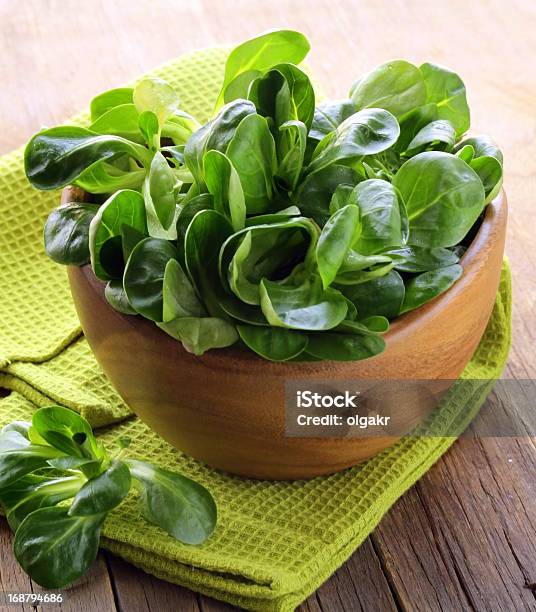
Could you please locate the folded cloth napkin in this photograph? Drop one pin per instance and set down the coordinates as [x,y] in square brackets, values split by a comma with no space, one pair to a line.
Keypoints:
[276,542]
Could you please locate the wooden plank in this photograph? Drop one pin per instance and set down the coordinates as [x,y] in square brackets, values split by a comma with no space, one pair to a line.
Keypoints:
[136,590]
[463,537]
[207,604]
[12,578]
[405,544]
[360,584]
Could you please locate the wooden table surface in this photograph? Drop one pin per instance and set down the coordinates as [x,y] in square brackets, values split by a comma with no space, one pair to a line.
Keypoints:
[464,536]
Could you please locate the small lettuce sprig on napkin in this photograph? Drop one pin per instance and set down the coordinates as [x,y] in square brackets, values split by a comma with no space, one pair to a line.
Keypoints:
[292,228]
[58,484]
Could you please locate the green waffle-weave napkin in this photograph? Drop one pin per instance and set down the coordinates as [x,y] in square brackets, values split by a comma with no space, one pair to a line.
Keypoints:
[276,542]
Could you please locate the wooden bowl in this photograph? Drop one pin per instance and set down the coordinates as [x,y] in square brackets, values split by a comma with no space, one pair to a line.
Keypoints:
[226,407]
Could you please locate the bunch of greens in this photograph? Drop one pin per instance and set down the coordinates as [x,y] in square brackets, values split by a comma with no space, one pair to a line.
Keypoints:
[58,483]
[293,228]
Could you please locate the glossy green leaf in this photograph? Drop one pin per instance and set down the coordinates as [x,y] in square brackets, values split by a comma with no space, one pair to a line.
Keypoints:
[67,431]
[357,268]
[259,54]
[428,285]
[56,157]
[360,327]
[396,86]
[285,94]
[344,347]
[268,250]
[88,466]
[466,152]
[199,334]
[160,199]
[16,463]
[415,259]
[104,177]
[157,96]
[56,544]
[33,492]
[239,86]
[259,255]
[224,184]
[340,198]
[351,314]
[205,235]
[413,122]
[486,160]
[299,104]
[144,276]
[252,153]
[245,270]
[367,132]
[443,198]
[120,120]
[276,217]
[291,152]
[179,127]
[180,506]
[376,323]
[203,201]
[125,207]
[179,297]
[56,549]
[130,237]
[13,440]
[104,492]
[273,343]
[149,127]
[215,135]
[328,116]
[307,306]
[382,217]
[440,131]
[336,238]
[314,194]
[115,295]
[240,311]
[490,172]
[104,102]
[446,89]
[380,296]
[482,146]
[20,427]
[66,233]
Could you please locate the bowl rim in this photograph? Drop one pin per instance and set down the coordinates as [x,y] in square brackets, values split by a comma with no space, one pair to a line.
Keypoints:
[494,215]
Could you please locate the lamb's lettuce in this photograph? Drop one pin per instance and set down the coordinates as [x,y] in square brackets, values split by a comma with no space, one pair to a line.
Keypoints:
[294,228]
[58,484]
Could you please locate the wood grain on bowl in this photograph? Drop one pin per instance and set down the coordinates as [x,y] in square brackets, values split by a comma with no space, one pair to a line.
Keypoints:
[226,407]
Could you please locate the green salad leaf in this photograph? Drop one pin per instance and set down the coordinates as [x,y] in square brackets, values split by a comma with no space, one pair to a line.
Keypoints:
[366,132]
[58,156]
[443,197]
[396,86]
[181,506]
[58,484]
[292,228]
[66,233]
[254,57]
